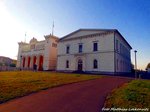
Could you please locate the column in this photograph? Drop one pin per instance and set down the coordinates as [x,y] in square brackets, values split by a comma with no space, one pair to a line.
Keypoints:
[31,62]
[37,61]
[26,62]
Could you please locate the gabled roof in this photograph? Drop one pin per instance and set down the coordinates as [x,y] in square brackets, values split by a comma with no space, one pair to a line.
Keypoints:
[98,30]
[70,34]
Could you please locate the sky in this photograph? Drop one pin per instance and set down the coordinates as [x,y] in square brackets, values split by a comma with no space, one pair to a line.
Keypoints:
[35,18]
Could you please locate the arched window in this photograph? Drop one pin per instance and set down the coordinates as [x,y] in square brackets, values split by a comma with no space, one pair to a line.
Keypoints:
[67,64]
[95,63]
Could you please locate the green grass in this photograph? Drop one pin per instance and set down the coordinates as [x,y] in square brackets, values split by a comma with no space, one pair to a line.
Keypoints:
[17,84]
[135,94]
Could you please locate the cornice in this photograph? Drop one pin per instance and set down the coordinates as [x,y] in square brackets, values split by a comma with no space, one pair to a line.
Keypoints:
[87,36]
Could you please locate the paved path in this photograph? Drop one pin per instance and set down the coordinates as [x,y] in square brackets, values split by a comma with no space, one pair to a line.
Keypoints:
[87,96]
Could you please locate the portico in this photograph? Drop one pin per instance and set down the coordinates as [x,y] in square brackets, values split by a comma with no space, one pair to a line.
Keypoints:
[27,62]
[39,53]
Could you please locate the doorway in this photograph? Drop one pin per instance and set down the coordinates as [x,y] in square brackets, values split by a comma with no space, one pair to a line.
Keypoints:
[80,65]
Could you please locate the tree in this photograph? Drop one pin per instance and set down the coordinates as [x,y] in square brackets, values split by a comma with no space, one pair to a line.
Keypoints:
[12,65]
[148,66]
[1,64]
[132,68]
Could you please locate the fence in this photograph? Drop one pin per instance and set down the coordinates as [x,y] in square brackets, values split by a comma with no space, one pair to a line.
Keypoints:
[7,68]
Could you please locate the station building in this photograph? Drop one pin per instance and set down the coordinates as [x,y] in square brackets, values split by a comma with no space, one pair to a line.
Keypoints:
[42,54]
[94,50]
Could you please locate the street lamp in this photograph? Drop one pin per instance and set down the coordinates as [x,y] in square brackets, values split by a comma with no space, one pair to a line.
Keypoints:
[135,64]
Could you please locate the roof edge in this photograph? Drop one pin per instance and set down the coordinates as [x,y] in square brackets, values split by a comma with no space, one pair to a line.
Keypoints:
[123,39]
[85,29]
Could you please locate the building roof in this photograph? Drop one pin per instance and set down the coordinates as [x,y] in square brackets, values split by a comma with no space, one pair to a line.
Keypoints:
[105,30]
[4,59]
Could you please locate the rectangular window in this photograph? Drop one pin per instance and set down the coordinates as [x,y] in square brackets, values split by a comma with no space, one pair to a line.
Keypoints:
[54,45]
[117,64]
[80,48]
[120,48]
[95,46]
[117,45]
[67,49]
[32,46]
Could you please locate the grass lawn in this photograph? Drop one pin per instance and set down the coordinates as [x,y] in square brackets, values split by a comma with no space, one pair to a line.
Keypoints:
[16,84]
[135,94]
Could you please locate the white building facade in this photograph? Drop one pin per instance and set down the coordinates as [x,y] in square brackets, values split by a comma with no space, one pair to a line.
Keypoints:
[94,50]
[42,54]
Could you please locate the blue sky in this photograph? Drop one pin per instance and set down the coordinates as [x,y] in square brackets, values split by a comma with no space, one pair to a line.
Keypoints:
[130,17]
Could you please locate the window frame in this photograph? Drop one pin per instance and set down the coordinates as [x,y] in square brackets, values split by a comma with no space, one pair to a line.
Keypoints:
[80,48]
[117,45]
[67,49]
[95,49]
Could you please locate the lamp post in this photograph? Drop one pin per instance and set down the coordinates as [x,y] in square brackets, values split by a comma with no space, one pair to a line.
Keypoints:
[135,64]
